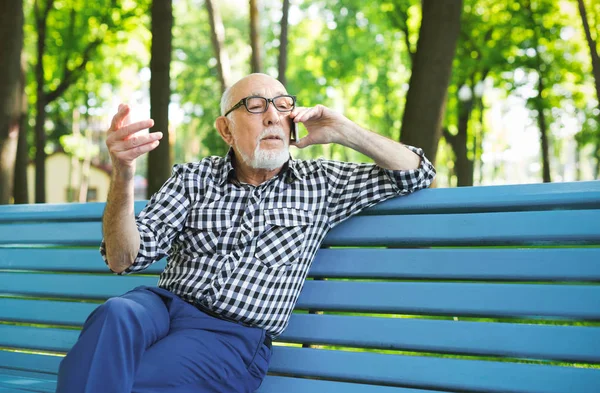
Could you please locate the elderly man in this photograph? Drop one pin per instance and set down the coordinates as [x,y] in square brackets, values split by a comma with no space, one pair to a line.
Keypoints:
[239,233]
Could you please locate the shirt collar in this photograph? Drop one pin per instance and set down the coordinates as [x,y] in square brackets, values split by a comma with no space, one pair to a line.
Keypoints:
[226,170]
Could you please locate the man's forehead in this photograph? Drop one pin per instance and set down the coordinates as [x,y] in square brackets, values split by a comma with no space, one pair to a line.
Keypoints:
[262,93]
[258,85]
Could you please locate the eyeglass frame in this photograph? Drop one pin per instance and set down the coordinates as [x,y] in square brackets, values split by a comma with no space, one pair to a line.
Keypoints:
[244,102]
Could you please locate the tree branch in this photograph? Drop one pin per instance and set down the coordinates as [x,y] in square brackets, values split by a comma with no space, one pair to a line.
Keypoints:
[71,75]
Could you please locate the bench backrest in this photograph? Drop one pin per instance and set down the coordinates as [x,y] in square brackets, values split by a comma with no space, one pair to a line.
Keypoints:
[493,289]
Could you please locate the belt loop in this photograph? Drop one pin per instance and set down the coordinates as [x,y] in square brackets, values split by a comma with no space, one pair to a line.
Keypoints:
[268,341]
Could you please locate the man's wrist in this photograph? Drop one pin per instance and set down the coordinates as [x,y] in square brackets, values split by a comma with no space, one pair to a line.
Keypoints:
[351,135]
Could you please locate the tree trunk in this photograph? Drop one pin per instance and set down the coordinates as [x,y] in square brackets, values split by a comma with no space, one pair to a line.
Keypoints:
[426,98]
[21,186]
[256,62]
[11,91]
[538,100]
[159,160]
[217,35]
[464,167]
[592,46]
[283,43]
[539,103]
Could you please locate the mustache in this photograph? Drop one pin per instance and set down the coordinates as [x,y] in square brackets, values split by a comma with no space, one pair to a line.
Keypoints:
[272,131]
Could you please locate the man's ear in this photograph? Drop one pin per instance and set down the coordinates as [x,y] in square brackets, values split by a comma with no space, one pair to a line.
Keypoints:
[222,124]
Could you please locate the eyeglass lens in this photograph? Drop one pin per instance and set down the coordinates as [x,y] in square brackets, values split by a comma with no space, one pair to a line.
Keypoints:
[259,104]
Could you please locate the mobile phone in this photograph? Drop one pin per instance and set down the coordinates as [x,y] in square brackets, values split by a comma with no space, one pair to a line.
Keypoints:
[293,130]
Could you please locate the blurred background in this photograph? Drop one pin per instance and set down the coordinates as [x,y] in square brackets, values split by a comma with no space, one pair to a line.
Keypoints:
[496,92]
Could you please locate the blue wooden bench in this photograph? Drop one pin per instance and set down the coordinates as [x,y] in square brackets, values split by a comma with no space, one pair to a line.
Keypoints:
[485,289]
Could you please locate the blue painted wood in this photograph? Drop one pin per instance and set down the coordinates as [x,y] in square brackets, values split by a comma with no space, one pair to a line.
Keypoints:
[277,384]
[520,228]
[551,264]
[25,381]
[45,339]
[45,311]
[569,343]
[415,371]
[520,215]
[433,372]
[522,197]
[86,260]
[20,361]
[467,299]
[272,384]
[550,342]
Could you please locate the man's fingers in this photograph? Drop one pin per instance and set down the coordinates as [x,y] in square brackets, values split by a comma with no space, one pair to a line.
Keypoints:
[119,118]
[132,154]
[135,141]
[130,129]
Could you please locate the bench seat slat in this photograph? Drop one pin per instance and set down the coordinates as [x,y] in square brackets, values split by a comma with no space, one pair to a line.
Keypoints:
[513,228]
[536,264]
[271,384]
[278,384]
[434,373]
[415,371]
[466,299]
[26,381]
[549,342]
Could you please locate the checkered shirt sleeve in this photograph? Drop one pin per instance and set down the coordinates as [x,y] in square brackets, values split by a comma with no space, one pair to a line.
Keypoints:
[159,222]
[354,187]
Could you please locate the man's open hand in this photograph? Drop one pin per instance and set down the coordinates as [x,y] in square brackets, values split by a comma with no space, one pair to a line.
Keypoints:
[125,142]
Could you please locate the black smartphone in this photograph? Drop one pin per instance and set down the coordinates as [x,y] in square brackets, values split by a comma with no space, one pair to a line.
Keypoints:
[293,130]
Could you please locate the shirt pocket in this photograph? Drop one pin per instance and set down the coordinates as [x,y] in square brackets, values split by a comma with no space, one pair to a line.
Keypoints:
[283,238]
[205,228]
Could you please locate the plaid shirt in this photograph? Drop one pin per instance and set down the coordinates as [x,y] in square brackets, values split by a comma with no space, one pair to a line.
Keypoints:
[243,251]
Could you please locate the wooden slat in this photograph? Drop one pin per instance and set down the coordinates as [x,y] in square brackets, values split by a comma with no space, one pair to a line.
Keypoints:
[271,384]
[523,197]
[61,259]
[552,264]
[549,342]
[467,299]
[35,338]
[432,372]
[513,228]
[27,381]
[277,384]
[74,286]
[29,362]
[52,233]
[396,370]
[46,312]
[565,343]
[549,264]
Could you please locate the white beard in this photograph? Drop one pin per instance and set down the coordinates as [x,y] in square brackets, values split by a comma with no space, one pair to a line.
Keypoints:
[268,159]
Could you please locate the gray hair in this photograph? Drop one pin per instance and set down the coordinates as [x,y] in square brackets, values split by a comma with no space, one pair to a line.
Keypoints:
[226,100]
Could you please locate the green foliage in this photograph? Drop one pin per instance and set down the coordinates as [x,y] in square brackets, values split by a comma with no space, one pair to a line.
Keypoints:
[351,55]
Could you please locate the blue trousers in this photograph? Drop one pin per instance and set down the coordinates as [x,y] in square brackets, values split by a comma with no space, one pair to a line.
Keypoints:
[150,340]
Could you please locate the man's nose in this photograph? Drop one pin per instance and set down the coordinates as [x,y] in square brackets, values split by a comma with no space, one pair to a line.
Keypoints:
[272,116]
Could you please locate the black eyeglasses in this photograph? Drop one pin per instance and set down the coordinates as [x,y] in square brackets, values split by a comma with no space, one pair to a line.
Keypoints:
[258,104]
